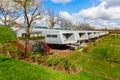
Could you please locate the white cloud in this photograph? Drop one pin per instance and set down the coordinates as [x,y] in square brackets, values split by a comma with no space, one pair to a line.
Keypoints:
[61,1]
[112,3]
[100,12]
[106,14]
[66,15]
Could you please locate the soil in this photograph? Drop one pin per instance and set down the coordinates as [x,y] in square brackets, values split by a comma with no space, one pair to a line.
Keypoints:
[62,52]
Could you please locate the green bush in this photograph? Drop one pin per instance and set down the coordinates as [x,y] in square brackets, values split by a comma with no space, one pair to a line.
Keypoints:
[10,48]
[6,35]
[37,57]
[69,63]
[54,60]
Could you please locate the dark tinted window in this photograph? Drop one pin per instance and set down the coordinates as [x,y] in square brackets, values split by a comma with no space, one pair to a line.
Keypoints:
[52,36]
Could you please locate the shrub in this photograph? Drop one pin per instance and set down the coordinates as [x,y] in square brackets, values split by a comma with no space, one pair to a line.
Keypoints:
[69,63]
[53,60]
[6,34]
[38,57]
[11,49]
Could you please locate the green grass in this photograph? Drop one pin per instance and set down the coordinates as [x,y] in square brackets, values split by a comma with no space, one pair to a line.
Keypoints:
[6,34]
[11,69]
[102,59]
[110,47]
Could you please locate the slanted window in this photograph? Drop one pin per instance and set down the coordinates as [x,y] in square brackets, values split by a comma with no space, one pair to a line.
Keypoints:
[52,36]
[23,34]
[89,33]
[81,34]
[67,36]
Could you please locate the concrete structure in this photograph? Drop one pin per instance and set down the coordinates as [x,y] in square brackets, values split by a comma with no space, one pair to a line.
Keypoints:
[57,36]
[61,36]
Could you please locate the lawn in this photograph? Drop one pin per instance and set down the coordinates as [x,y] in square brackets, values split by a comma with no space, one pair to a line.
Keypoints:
[11,69]
[104,59]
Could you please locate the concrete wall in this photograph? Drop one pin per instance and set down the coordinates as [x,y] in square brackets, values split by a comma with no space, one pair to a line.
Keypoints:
[62,36]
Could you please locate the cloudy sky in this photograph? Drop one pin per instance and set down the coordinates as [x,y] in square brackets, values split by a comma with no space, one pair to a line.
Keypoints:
[98,13]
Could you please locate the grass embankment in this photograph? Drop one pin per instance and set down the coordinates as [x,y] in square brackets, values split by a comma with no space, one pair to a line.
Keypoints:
[11,69]
[6,34]
[104,59]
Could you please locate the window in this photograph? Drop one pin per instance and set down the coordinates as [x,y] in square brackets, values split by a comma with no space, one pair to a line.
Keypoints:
[81,34]
[23,34]
[67,36]
[89,33]
[52,36]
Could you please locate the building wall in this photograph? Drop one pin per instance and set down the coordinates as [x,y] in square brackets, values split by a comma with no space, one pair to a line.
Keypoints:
[58,37]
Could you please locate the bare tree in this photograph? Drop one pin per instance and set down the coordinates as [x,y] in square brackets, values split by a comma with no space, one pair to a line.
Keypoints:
[84,26]
[65,23]
[8,14]
[31,11]
[52,18]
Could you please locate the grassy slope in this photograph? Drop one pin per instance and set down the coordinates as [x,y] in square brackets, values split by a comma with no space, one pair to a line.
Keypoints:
[6,34]
[109,47]
[11,69]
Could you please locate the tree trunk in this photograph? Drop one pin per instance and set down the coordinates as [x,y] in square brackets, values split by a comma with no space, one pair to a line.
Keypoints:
[27,43]
[5,24]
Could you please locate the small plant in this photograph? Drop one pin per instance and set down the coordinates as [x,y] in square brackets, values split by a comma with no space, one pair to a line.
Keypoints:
[53,60]
[69,63]
[38,57]
[10,49]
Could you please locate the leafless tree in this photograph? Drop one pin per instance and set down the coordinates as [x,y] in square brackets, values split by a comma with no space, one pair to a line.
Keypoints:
[8,14]
[83,26]
[31,10]
[52,18]
[65,23]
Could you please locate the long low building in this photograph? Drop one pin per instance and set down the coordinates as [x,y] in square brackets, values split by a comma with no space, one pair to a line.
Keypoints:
[61,36]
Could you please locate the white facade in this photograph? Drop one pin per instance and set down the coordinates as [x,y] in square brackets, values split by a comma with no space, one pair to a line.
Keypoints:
[62,36]
[81,35]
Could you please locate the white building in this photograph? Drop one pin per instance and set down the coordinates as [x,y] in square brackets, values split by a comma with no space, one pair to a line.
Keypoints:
[60,36]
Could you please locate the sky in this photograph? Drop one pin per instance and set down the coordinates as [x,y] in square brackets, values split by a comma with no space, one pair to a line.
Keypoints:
[71,6]
[98,13]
